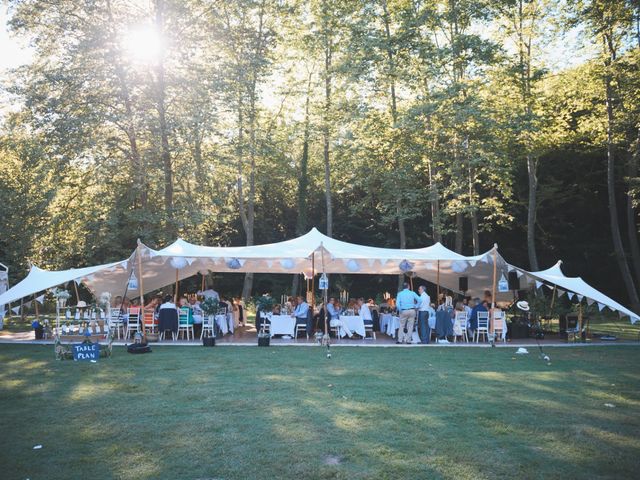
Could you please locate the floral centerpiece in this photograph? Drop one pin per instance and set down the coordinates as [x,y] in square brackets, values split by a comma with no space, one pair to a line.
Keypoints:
[209,306]
[61,296]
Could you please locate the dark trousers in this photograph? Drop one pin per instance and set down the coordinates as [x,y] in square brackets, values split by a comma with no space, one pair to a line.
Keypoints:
[423,327]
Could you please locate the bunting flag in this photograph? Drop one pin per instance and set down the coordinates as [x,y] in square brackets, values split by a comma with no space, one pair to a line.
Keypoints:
[560,292]
[383,261]
[538,283]
[570,295]
[473,262]
[125,264]
[16,310]
[190,260]
[590,301]
[519,273]
[77,280]
[371,261]
[550,287]
[269,263]
[600,306]
[40,299]
[28,304]
[580,297]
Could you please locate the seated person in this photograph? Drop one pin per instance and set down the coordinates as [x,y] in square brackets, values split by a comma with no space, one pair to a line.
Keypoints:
[334,309]
[364,312]
[277,310]
[168,303]
[197,315]
[301,313]
[477,306]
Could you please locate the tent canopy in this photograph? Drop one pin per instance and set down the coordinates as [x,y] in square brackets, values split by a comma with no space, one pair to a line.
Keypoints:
[310,252]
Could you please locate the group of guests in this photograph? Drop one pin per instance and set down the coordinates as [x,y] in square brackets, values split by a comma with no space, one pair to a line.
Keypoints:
[189,304]
[411,306]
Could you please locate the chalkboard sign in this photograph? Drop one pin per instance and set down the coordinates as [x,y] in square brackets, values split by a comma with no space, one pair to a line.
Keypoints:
[83,352]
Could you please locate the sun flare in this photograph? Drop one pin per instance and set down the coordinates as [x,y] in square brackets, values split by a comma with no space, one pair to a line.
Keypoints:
[143,44]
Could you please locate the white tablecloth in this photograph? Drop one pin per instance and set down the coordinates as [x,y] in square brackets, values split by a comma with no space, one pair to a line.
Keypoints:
[353,323]
[282,325]
[225,323]
[389,324]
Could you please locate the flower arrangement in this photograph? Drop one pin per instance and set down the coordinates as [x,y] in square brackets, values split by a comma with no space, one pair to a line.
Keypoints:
[210,306]
[60,293]
[104,300]
[265,303]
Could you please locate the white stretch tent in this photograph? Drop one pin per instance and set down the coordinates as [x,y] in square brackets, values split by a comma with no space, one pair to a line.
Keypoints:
[577,286]
[310,252]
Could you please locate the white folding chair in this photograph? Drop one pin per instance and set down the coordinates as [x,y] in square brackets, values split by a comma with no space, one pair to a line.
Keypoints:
[368,327]
[460,327]
[183,322]
[499,325]
[133,324]
[208,322]
[483,326]
[115,322]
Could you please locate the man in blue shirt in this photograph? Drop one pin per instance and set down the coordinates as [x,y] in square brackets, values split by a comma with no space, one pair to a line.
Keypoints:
[407,301]
[332,311]
[301,312]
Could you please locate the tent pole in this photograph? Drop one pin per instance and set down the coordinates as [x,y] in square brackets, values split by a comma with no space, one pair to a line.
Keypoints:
[202,284]
[141,288]
[493,289]
[553,299]
[35,303]
[75,286]
[438,286]
[176,294]
[313,281]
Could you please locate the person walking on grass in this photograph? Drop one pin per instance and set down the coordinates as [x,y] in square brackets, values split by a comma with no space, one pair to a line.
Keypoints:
[407,301]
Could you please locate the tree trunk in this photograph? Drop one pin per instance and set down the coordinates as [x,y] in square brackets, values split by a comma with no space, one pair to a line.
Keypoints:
[532,212]
[459,232]
[328,47]
[137,165]
[632,227]
[162,123]
[303,179]
[435,206]
[613,209]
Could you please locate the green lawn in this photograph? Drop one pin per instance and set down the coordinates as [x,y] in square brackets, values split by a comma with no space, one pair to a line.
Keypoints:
[288,412]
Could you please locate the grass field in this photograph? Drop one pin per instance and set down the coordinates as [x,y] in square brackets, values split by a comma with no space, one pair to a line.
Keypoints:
[288,412]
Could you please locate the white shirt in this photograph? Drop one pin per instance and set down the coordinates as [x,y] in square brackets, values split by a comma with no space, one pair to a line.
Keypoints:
[425,302]
[210,294]
[365,313]
[168,305]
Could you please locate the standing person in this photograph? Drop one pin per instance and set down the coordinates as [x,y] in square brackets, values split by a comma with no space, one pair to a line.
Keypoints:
[406,301]
[423,315]
[301,313]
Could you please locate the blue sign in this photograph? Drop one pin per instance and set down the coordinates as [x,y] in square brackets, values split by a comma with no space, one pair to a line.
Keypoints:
[84,352]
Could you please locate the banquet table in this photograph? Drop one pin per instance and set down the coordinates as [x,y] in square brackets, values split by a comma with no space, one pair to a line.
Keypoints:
[354,323]
[389,324]
[282,325]
[225,323]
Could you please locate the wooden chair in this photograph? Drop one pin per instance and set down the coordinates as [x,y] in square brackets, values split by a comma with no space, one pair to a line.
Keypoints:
[483,326]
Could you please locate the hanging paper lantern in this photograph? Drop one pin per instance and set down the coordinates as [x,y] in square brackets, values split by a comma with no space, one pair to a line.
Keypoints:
[287,263]
[353,266]
[459,266]
[234,264]
[405,266]
[178,262]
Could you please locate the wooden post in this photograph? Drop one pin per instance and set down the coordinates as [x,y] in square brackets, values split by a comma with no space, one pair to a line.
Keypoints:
[141,289]
[493,290]
[438,286]
[313,281]
[35,303]
[202,287]
[176,293]
[75,286]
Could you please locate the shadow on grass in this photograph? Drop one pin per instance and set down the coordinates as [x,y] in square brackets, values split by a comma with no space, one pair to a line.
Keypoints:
[291,413]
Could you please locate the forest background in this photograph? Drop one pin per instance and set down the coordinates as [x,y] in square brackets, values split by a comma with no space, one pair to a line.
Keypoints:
[393,123]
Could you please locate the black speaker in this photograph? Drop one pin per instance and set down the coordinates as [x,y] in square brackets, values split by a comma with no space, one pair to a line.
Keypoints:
[514,281]
[463,284]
